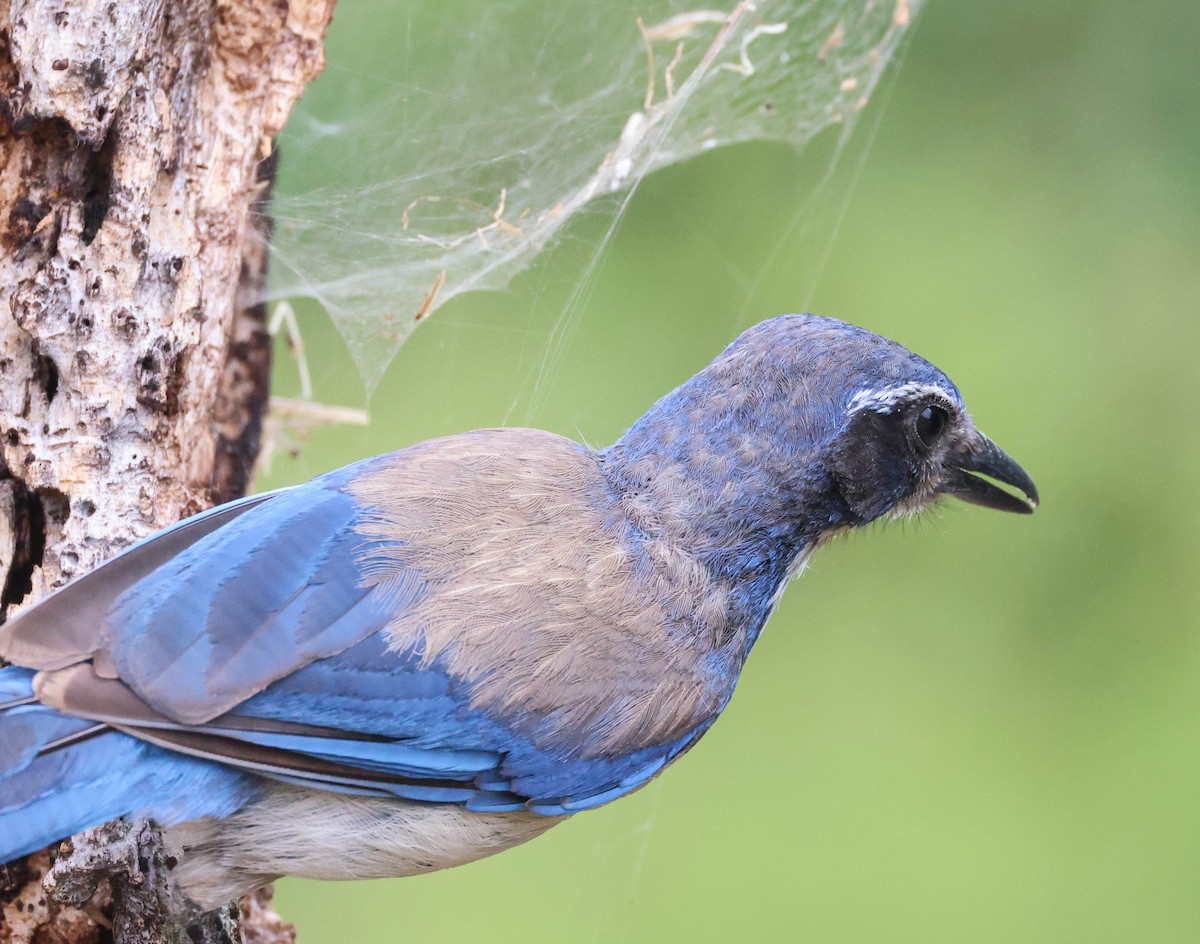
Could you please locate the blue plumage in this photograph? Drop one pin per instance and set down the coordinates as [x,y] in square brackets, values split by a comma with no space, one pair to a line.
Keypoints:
[45,797]
[246,604]
[432,655]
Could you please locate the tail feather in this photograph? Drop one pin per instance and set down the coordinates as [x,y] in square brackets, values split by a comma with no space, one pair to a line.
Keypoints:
[54,783]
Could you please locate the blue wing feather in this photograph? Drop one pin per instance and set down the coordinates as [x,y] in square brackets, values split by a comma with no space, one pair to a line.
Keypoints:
[269,592]
[64,627]
[47,794]
[434,734]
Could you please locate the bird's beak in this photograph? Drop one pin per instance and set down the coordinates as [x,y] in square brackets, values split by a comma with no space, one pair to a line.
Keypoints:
[980,456]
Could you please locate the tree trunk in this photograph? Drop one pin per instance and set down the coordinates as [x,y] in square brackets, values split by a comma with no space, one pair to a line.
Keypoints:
[135,162]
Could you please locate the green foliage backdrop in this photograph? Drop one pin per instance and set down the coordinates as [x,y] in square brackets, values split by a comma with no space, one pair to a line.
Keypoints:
[975,727]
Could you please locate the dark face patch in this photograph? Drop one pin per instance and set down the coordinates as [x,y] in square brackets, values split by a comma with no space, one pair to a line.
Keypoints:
[874,464]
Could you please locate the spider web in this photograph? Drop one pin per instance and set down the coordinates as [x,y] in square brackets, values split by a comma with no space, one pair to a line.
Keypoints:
[475,140]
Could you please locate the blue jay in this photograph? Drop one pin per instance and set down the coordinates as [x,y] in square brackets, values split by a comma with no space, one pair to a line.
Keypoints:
[433,655]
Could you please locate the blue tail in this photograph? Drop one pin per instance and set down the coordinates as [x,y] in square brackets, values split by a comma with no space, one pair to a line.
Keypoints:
[48,792]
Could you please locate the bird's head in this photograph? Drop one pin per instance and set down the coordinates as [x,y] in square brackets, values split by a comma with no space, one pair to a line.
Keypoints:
[905,439]
[805,426]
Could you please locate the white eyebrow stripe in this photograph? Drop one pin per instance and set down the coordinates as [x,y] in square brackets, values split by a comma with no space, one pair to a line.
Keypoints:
[884,400]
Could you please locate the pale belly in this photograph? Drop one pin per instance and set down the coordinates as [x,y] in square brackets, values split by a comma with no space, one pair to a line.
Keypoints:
[316,834]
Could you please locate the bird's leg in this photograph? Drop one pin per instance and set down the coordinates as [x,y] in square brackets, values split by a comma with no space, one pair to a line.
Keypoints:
[128,857]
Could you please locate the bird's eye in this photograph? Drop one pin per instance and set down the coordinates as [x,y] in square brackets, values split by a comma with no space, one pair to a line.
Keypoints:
[930,423]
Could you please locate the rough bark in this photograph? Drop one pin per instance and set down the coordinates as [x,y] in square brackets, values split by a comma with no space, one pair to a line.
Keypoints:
[135,158]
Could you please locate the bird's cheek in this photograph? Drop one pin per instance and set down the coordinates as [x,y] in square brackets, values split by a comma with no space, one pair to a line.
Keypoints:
[871,481]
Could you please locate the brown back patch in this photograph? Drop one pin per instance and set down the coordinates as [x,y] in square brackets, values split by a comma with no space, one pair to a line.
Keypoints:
[539,598]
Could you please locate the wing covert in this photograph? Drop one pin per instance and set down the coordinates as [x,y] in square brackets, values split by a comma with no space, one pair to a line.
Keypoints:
[248,604]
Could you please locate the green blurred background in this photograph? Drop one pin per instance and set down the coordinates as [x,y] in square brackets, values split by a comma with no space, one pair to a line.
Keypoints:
[974,728]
